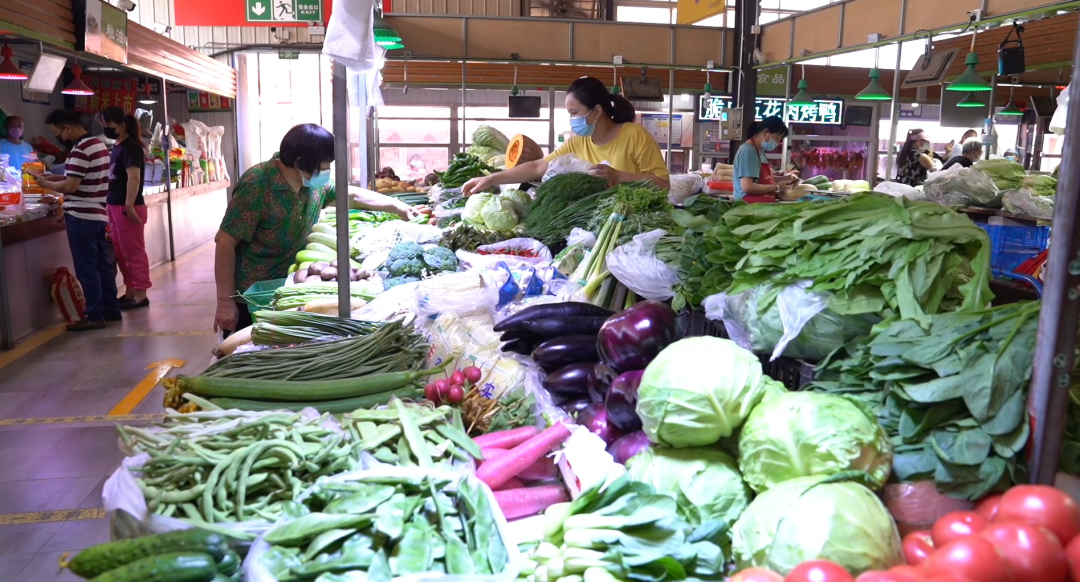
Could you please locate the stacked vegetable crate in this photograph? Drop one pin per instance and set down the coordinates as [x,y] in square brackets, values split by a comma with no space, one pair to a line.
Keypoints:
[1012,245]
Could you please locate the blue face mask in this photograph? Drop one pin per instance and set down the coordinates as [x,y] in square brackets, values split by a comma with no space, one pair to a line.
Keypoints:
[580,125]
[769,145]
[317,180]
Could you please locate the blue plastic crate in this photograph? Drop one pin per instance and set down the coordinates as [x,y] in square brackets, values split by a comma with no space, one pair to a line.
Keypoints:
[1012,245]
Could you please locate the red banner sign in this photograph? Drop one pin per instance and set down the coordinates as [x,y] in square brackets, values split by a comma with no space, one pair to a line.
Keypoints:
[109,92]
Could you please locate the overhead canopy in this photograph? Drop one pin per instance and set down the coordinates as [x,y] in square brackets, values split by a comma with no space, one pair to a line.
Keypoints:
[1047,49]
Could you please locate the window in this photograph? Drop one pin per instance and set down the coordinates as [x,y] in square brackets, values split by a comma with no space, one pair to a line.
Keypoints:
[647,15]
[536,129]
[414,141]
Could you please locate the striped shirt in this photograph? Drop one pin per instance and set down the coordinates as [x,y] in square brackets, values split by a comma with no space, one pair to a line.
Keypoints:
[88,160]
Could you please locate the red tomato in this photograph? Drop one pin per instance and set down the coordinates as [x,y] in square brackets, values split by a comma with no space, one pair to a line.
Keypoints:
[1072,556]
[818,571]
[879,576]
[970,557]
[1044,506]
[957,525]
[946,578]
[756,575]
[913,572]
[918,545]
[988,507]
[1033,552]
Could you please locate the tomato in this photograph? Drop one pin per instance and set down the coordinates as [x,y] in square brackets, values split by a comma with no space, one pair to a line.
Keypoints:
[1044,506]
[756,575]
[946,578]
[879,576]
[818,571]
[913,572]
[988,507]
[1033,552]
[1072,556]
[970,557]
[957,524]
[918,545]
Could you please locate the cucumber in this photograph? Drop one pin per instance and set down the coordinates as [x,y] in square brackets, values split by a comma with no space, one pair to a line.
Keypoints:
[814,181]
[292,268]
[323,228]
[340,406]
[304,266]
[324,239]
[319,248]
[102,558]
[230,564]
[174,567]
[306,256]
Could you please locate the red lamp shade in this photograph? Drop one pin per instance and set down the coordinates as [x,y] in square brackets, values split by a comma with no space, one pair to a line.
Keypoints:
[9,71]
[77,87]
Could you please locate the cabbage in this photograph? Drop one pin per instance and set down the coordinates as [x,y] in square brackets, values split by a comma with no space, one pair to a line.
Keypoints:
[471,214]
[800,434]
[698,391]
[705,483]
[520,199]
[499,214]
[1005,174]
[801,520]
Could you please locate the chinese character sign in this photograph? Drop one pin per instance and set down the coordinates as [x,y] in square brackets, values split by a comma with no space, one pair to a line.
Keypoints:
[109,92]
[822,112]
[206,102]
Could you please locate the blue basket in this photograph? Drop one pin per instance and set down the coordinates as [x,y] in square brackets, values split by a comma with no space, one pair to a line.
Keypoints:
[1012,245]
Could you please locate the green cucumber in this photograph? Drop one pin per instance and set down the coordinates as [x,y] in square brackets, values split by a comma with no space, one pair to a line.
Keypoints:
[306,256]
[230,564]
[102,558]
[332,406]
[304,266]
[292,268]
[323,228]
[319,248]
[324,239]
[820,179]
[174,567]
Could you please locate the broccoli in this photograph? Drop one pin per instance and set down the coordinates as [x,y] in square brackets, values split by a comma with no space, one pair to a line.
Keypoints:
[395,281]
[405,250]
[409,266]
[440,259]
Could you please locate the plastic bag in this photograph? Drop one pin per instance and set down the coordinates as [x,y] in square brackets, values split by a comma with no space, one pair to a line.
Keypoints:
[918,505]
[960,186]
[67,294]
[566,164]
[684,186]
[388,234]
[454,293]
[898,190]
[522,284]
[580,236]
[390,304]
[350,38]
[1024,202]
[494,254]
[1061,114]
[441,211]
[635,265]
[797,324]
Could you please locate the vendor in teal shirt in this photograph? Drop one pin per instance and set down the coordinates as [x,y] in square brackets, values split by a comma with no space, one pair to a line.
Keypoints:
[754,181]
[13,146]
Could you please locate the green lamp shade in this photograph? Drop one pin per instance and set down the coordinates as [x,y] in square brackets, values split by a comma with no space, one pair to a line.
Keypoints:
[874,91]
[802,97]
[1011,109]
[708,89]
[969,80]
[970,101]
[615,90]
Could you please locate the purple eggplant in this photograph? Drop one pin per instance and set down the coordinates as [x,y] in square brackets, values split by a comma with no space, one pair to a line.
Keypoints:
[519,334]
[573,407]
[601,378]
[631,339]
[594,418]
[572,379]
[628,446]
[519,346]
[563,351]
[553,327]
[551,310]
[621,401]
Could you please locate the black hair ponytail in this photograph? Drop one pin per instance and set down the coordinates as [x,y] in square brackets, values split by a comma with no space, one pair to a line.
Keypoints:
[774,124]
[591,92]
[118,116]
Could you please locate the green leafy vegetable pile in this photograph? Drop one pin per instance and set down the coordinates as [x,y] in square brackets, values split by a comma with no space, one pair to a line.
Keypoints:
[464,236]
[952,396]
[1006,175]
[646,208]
[462,168]
[704,251]
[546,220]
[1041,185]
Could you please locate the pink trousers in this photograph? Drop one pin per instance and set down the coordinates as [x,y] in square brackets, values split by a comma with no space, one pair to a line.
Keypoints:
[130,246]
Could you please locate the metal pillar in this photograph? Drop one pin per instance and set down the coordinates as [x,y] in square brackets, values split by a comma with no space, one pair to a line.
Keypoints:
[166,132]
[1048,399]
[341,181]
[746,12]
[787,140]
[894,105]
[7,336]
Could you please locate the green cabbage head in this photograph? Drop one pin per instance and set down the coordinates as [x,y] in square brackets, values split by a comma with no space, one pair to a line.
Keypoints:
[805,519]
[521,201]
[698,391]
[800,434]
[471,214]
[499,214]
[705,483]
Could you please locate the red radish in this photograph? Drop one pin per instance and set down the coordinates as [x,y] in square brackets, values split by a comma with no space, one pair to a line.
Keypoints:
[473,374]
[506,439]
[457,378]
[512,484]
[543,470]
[431,393]
[527,501]
[455,394]
[441,385]
[499,470]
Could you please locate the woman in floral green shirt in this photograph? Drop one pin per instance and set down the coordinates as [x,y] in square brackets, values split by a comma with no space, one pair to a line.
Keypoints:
[273,207]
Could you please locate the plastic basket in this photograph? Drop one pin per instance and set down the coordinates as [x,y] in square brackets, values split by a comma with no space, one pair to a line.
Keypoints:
[1012,245]
[261,294]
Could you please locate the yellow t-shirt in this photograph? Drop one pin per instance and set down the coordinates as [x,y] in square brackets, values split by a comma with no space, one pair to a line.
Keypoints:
[633,150]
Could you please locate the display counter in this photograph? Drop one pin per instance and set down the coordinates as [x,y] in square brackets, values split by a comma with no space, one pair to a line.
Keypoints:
[31,251]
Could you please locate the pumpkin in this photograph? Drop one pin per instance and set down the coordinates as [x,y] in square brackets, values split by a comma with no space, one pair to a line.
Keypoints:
[522,150]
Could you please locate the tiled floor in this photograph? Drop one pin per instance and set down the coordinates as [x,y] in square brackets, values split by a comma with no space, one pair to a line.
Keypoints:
[62,465]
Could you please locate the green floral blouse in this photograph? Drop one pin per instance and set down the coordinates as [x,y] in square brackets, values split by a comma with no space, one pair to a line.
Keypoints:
[271,221]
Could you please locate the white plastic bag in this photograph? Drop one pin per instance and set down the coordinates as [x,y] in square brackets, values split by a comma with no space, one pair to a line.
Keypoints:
[493,254]
[1023,202]
[388,234]
[898,190]
[684,186]
[567,164]
[1061,114]
[960,186]
[454,293]
[635,265]
[350,38]
[580,236]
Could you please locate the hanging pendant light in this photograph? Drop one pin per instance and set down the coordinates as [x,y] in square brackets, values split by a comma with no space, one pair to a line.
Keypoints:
[9,71]
[615,90]
[970,80]
[148,99]
[385,35]
[970,101]
[514,88]
[76,86]
[802,97]
[707,90]
[1010,107]
[874,91]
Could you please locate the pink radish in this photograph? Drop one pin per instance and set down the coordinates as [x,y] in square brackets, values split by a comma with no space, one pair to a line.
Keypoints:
[507,439]
[528,501]
[512,484]
[542,470]
[499,470]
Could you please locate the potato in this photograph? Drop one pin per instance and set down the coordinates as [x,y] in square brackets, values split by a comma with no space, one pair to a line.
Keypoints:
[329,273]
[383,190]
[300,276]
[333,263]
[318,267]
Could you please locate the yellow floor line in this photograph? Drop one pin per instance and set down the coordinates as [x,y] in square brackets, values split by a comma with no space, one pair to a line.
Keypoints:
[80,419]
[35,341]
[51,516]
[139,392]
[164,333]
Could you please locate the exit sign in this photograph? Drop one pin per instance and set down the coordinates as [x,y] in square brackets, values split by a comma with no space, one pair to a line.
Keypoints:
[288,55]
[284,11]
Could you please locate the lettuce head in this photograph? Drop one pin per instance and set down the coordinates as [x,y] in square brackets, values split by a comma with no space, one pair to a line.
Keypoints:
[807,519]
[699,390]
[801,434]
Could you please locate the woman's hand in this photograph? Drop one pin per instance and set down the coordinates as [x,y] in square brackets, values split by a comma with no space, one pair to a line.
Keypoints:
[226,316]
[477,185]
[606,172]
[404,211]
[132,215]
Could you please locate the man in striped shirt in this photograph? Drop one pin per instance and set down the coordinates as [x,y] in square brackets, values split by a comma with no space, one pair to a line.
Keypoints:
[85,188]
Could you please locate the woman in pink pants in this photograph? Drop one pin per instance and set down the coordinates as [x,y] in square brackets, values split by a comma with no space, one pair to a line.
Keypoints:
[127,209]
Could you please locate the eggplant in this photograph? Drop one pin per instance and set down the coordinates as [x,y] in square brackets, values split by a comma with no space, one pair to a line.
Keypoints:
[621,401]
[551,310]
[563,351]
[572,379]
[594,418]
[628,446]
[629,340]
[519,334]
[573,407]
[518,346]
[601,378]
[566,326]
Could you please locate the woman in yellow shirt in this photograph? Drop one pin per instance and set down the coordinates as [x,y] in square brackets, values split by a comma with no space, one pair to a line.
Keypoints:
[605,135]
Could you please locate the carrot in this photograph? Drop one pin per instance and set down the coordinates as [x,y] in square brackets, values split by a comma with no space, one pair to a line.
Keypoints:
[507,439]
[527,501]
[543,469]
[513,483]
[499,470]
